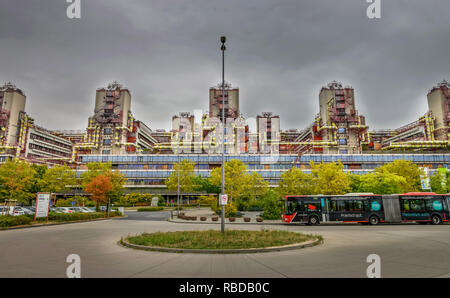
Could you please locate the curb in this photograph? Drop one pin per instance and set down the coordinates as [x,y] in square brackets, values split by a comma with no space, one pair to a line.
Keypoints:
[228,222]
[58,224]
[310,243]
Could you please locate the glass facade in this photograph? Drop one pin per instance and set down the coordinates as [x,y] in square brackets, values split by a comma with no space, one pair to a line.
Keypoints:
[154,169]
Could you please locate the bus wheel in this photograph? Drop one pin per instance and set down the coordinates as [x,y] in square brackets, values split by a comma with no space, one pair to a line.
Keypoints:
[313,220]
[436,220]
[374,220]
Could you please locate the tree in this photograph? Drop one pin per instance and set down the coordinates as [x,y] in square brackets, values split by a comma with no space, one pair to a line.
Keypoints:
[117,179]
[382,183]
[36,183]
[99,187]
[235,178]
[439,183]
[15,178]
[205,184]
[57,179]
[406,169]
[272,205]
[185,170]
[295,182]
[256,186]
[330,179]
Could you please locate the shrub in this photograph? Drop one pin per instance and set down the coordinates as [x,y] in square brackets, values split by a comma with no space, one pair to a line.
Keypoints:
[9,221]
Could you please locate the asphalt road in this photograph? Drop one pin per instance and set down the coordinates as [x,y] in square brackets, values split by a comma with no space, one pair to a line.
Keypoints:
[405,251]
[154,216]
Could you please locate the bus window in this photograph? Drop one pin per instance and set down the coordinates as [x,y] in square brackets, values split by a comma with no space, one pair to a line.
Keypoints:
[417,205]
[291,207]
[355,205]
[434,205]
[340,206]
[405,205]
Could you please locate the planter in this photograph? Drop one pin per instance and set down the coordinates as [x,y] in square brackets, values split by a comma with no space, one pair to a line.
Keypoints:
[232,219]
[193,217]
[247,219]
[259,219]
[203,218]
[215,218]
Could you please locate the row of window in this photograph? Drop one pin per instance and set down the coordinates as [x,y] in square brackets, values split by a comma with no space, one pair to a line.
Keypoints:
[382,158]
[49,141]
[48,150]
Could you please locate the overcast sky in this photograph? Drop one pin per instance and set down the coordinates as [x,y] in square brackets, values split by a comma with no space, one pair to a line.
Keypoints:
[280,53]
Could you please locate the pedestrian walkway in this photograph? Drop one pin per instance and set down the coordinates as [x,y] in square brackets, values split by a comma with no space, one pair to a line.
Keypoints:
[208,214]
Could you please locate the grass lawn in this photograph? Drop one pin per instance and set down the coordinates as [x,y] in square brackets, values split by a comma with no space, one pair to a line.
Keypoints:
[213,239]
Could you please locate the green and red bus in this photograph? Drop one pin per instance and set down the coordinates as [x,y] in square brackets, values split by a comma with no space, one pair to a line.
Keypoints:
[367,208]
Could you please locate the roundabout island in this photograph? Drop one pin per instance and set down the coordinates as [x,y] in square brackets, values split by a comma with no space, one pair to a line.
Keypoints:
[213,241]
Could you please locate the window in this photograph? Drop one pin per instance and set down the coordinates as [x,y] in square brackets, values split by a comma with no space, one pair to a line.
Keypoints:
[107,131]
[337,205]
[292,206]
[355,205]
[342,130]
[107,142]
[417,205]
[106,152]
[342,141]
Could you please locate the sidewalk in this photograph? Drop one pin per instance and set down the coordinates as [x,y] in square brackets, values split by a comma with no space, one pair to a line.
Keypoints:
[206,212]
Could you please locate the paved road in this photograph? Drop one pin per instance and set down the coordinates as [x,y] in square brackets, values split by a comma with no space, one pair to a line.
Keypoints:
[405,251]
[155,215]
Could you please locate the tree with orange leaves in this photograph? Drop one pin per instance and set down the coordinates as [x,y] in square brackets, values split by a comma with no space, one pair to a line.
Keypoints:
[99,187]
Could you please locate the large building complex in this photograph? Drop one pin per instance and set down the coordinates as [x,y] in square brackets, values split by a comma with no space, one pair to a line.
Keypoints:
[146,156]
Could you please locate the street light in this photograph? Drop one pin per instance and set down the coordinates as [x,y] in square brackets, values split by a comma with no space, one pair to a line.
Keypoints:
[178,192]
[223,39]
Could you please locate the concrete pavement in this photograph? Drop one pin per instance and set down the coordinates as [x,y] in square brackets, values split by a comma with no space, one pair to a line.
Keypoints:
[405,251]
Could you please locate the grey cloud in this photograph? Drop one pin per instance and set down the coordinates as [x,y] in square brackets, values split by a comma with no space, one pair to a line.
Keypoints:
[279,53]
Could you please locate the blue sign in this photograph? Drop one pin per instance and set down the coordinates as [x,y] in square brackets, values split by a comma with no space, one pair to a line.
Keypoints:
[375,206]
[73,203]
[437,205]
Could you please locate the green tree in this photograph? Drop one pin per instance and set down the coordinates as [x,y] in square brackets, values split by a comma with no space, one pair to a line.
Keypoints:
[205,184]
[255,186]
[406,169]
[330,179]
[382,183]
[235,178]
[183,173]
[58,178]
[272,205]
[439,183]
[36,182]
[15,181]
[295,182]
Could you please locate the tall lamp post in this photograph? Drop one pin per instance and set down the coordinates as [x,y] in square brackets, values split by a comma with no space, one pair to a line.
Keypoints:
[178,191]
[223,39]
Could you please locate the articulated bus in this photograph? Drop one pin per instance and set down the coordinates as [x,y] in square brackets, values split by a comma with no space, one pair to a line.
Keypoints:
[368,208]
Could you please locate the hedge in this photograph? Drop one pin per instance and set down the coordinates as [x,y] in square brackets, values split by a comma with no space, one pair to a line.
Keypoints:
[9,221]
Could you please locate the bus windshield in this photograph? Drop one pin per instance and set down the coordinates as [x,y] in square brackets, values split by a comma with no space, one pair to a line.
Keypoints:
[291,206]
